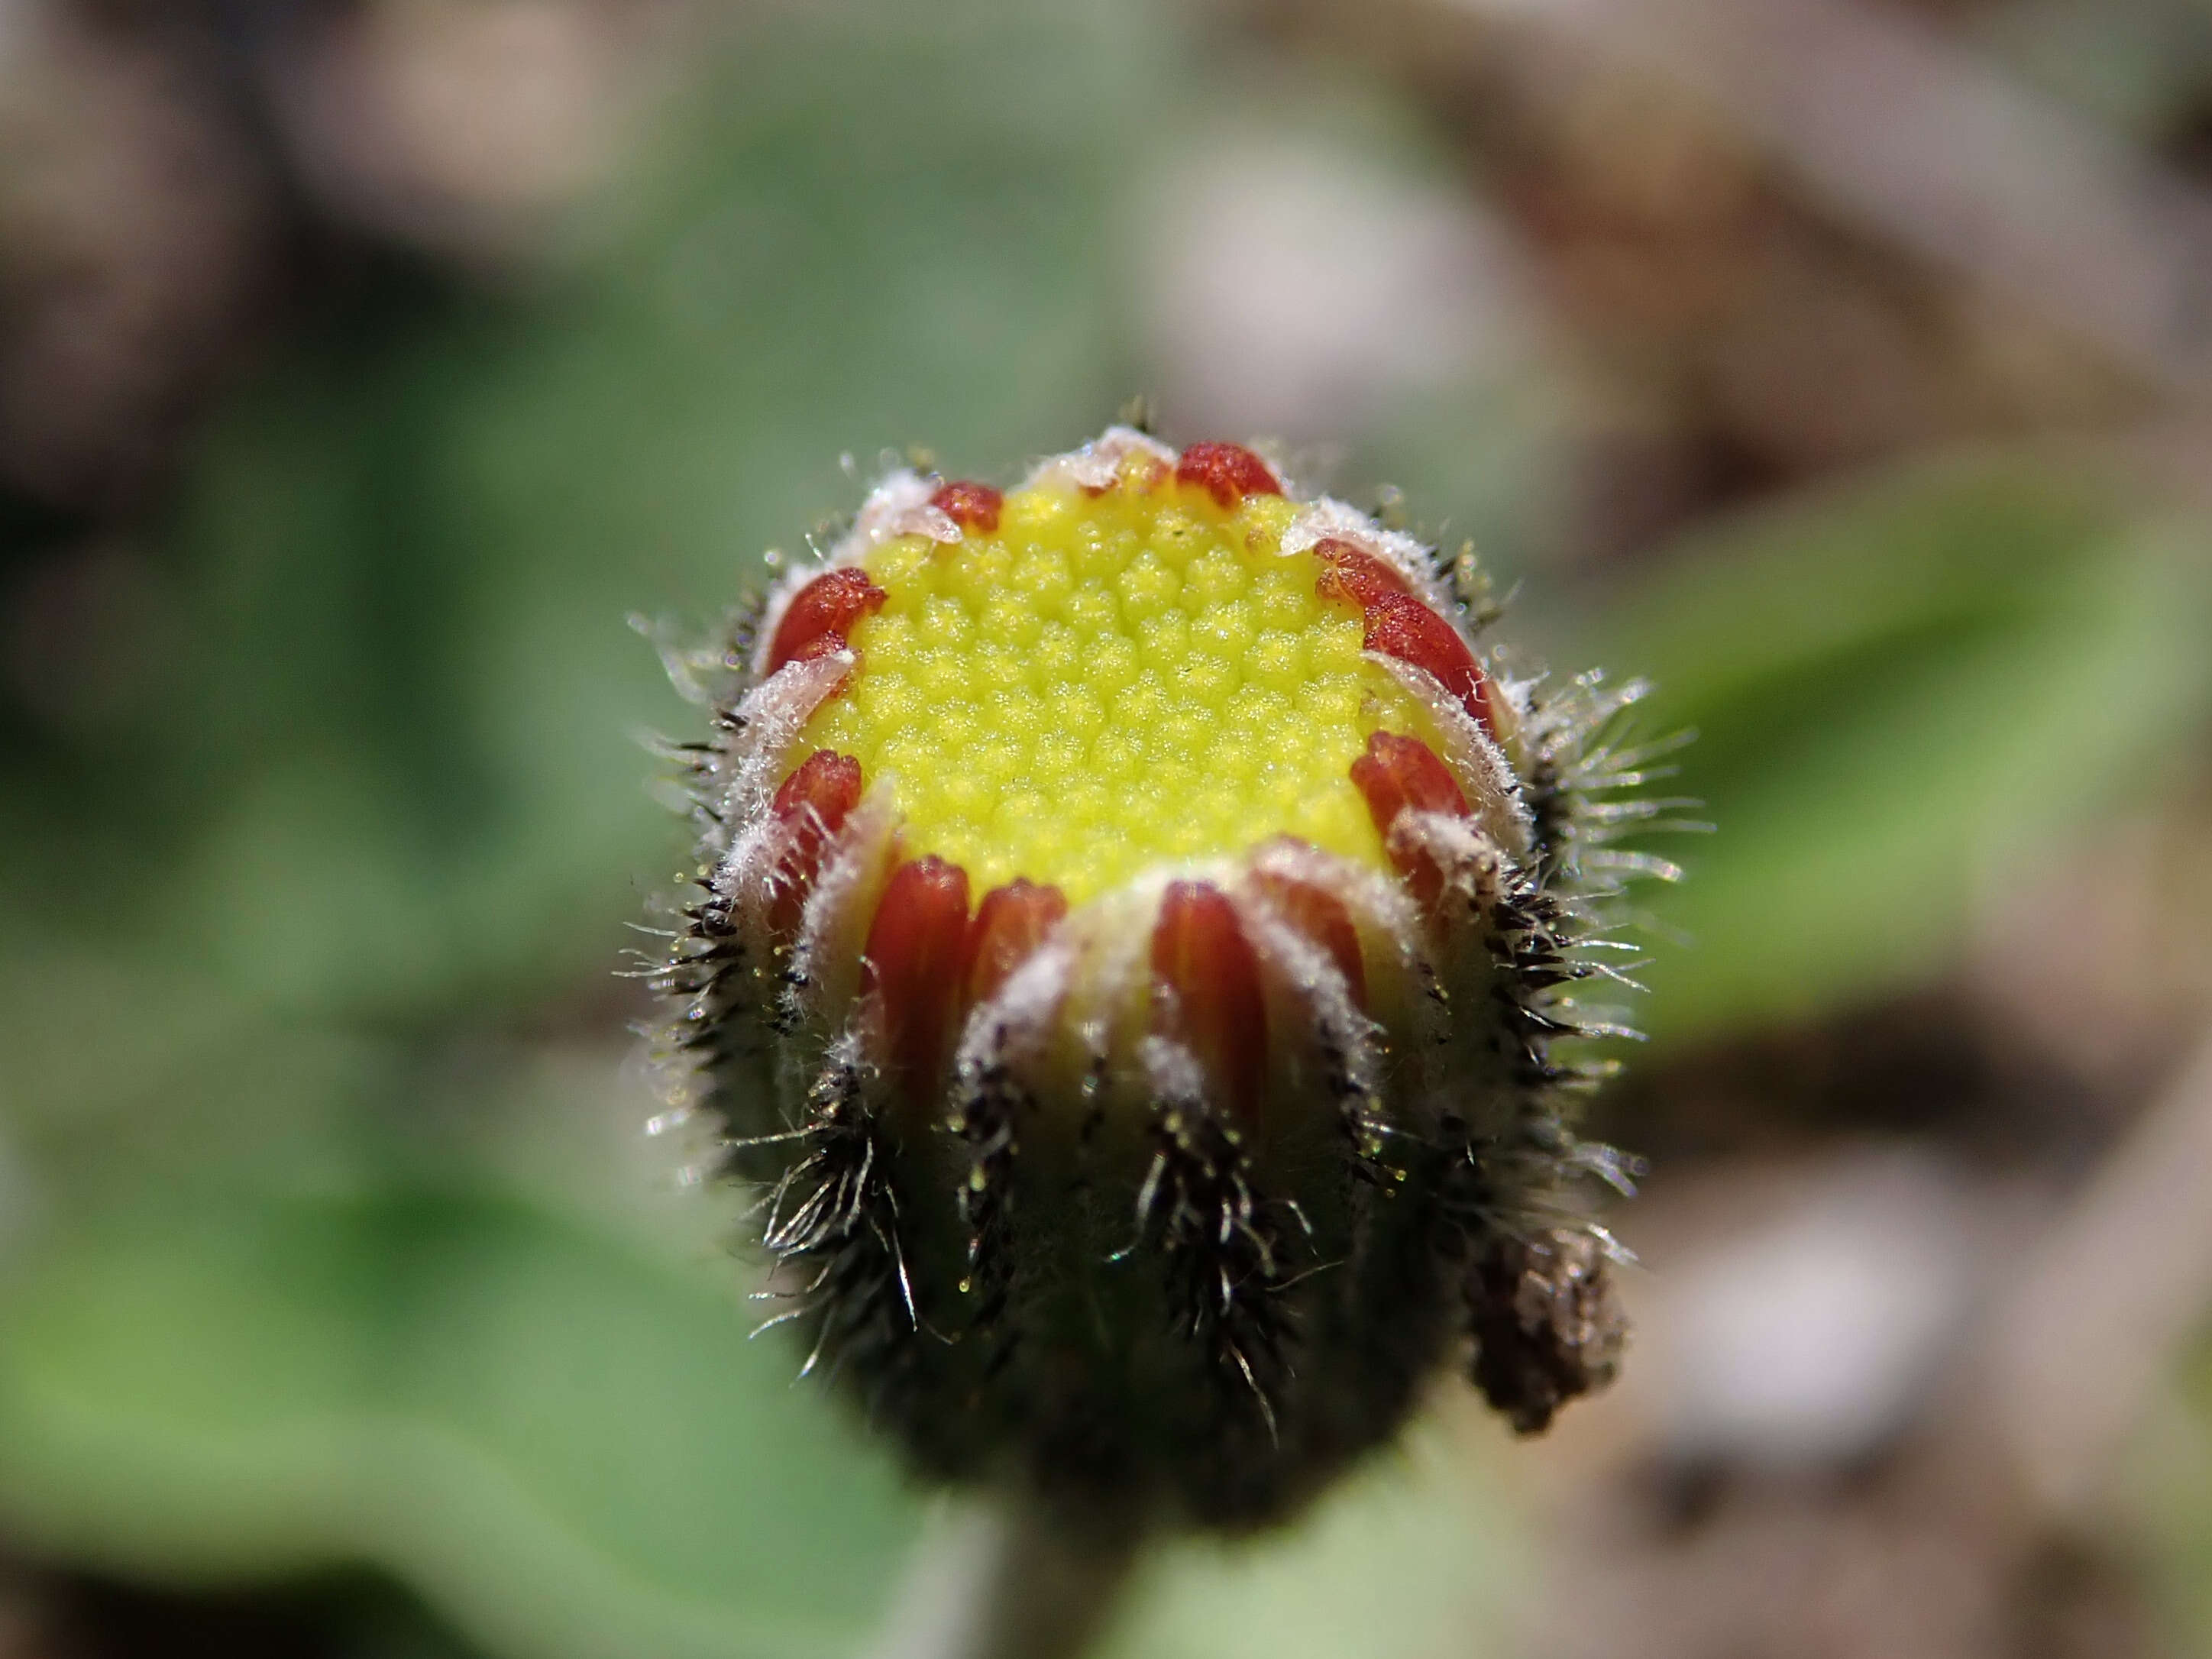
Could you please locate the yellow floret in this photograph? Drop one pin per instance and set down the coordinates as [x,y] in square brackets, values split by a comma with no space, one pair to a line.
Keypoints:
[1110,682]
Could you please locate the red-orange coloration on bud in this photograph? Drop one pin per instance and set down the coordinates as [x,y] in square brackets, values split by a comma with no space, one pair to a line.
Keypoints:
[1211,976]
[915,964]
[1229,472]
[1322,917]
[1010,923]
[971,506]
[1355,576]
[1402,774]
[1399,625]
[1402,627]
[811,805]
[820,615]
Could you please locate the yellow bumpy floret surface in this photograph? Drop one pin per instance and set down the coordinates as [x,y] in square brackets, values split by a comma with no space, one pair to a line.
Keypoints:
[1109,683]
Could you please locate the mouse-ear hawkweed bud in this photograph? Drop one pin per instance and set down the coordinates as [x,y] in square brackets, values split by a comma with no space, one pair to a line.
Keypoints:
[1134,928]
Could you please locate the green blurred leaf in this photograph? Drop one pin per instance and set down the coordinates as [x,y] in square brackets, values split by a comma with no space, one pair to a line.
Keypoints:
[281,1297]
[567,1445]
[1897,688]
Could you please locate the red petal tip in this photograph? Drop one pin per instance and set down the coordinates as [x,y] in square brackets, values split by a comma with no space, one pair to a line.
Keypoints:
[1400,775]
[1202,960]
[1009,924]
[1397,623]
[971,506]
[1229,472]
[915,963]
[819,618]
[1353,574]
[1322,917]
[811,805]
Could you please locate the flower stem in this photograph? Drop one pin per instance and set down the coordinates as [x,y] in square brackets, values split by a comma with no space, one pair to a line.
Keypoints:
[1005,1581]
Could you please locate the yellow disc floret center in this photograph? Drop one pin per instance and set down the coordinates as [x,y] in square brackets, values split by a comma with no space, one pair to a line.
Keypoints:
[1108,683]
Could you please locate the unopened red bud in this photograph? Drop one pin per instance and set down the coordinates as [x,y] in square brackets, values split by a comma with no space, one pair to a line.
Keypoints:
[1154,1189]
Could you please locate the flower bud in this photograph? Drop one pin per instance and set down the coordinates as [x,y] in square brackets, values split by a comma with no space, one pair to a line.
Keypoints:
[1135,932]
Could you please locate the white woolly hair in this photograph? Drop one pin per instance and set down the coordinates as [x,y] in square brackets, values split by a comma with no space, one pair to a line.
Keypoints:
[1095,465]
[832,926]
[1473,864]
[770,717]
[1016,1020]
[1326,518]
[1299,962]
[1171,1072]
[1112,935]
[1471,753]
[1381,907]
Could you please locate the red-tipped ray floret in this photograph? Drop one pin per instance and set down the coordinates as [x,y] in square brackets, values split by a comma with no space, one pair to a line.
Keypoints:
[915,964]
[1355,576]
[1322,918]
[1010,923]
[1229,472]
[1211,977]
[819,618]
[971,506]
[811,805]
[1403,774]
[1402,627]
[1397,623]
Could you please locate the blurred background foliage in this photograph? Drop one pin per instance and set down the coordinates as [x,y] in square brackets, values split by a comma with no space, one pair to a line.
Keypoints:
[364,364]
